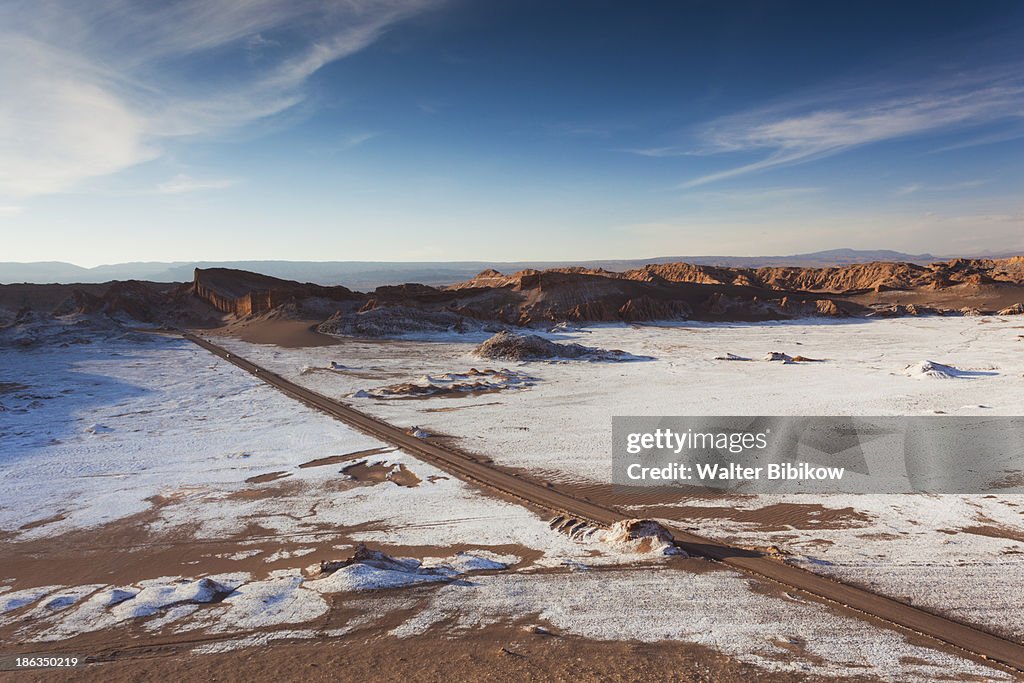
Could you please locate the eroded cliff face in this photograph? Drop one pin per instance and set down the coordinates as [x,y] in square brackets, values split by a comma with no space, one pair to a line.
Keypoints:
[493,300]
[127,300]
[861,277]
[242,293]
[581,295]
[132,299]
[675,291]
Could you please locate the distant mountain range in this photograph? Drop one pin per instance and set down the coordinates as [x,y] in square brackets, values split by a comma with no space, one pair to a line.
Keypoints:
[365,275]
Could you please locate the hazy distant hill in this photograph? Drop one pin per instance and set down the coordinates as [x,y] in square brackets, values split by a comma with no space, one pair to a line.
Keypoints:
[364,275]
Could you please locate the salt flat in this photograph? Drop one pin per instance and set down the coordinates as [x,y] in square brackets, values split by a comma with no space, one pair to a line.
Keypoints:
[562,424]
[959,554]
[110,429]
[188,473]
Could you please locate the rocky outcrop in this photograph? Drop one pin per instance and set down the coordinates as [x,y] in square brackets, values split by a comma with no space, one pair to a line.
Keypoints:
[580,295]
[676,291]
[1016,309]
[524,347]
[493,301]
[688,272]
[144,302]
[641,537]
[645,308]
[861,277]
[390,321]
[525,279]
[243,293]
[902,311]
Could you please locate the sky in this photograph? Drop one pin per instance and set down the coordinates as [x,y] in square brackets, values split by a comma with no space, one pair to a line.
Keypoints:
[434,130]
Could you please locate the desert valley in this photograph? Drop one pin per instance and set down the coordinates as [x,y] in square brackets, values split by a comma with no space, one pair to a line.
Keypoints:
[575,342]
[247,468]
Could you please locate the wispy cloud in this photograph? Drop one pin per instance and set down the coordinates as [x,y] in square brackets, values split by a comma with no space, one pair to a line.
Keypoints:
[1013,133]
[582,129]
[184,183]
[91,88]
[912,188]
[357,139]
[814,128]
[661,152]
[767,194]
[10,210]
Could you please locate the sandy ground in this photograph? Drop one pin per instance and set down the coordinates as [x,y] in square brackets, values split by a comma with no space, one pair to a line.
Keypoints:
[165,510]
[509,653]
[950,553]
[280,332]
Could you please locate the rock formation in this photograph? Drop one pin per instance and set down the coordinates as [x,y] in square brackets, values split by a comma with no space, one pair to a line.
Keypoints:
[492,301]
[243,293]
[861,277]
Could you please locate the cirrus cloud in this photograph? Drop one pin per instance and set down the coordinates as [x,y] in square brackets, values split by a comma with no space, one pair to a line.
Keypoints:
[184,183]
[812,128]
[92,88]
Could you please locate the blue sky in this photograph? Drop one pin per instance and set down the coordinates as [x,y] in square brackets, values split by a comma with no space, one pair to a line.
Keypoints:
[432,130]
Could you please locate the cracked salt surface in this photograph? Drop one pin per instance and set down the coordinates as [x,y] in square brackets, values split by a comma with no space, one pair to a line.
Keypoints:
[913,548]
[178,420]
[283,597]
[561,424]
[561,427]
[716,609]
